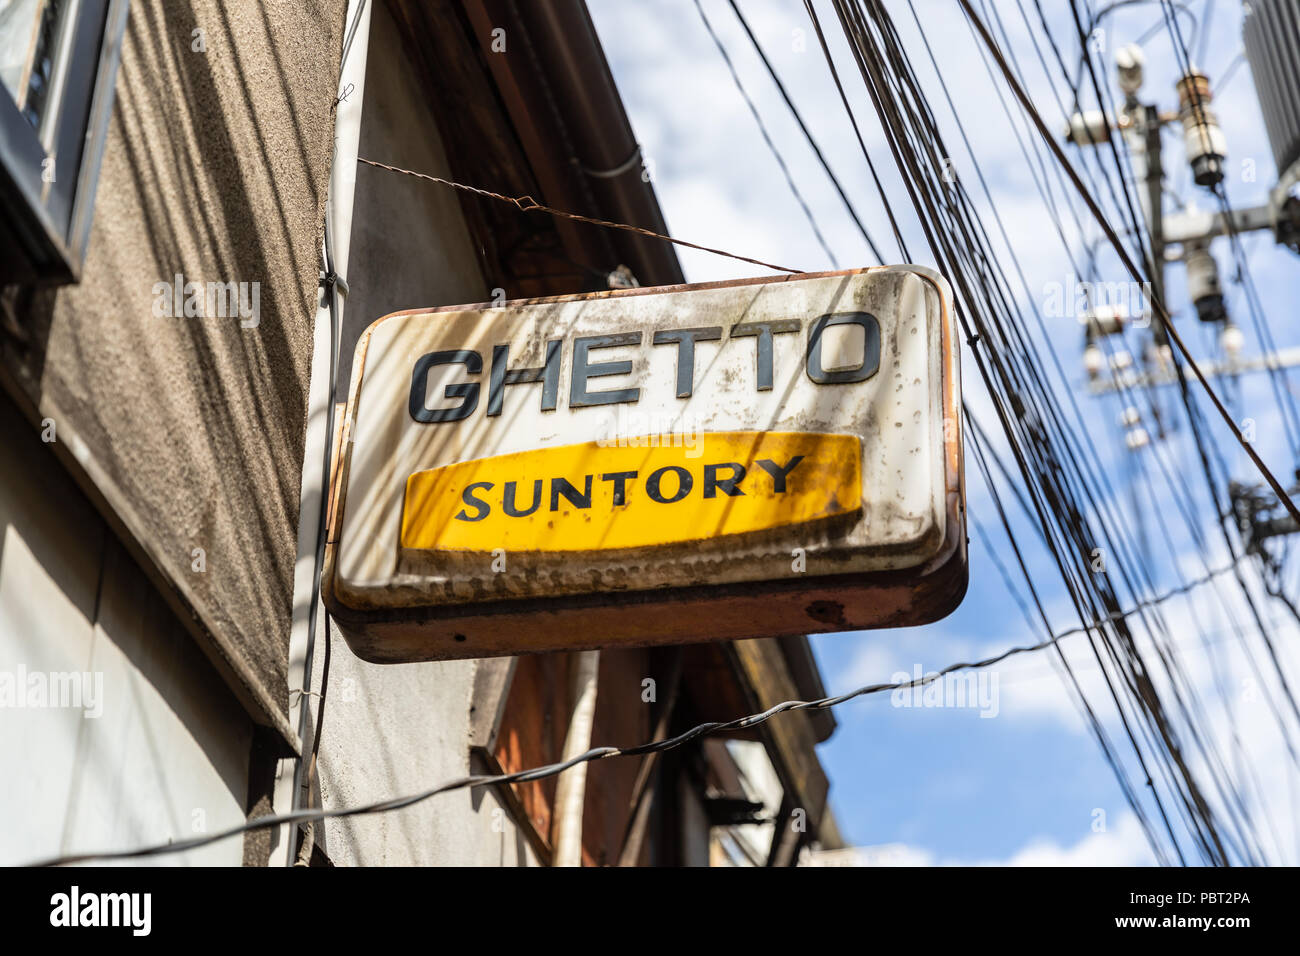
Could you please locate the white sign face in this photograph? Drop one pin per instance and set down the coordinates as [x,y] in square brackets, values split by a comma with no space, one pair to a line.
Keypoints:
[649,442]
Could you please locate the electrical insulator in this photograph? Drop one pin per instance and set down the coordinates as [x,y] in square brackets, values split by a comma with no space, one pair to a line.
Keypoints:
[1088,128]
[1202,139]
[1130,416]
[1121,360]
[1232,340]
[1129,61]
[1105,320]
[1093,360]
[1285,203]
[1136,438]
[1203,286]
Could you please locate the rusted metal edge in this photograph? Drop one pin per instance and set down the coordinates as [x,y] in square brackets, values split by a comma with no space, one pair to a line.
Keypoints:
[800,606]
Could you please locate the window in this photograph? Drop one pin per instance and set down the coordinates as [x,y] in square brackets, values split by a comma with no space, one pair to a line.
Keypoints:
[58,61]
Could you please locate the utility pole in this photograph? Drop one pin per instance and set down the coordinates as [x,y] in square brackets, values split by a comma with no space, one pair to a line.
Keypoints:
[1185,236]
[1149,124]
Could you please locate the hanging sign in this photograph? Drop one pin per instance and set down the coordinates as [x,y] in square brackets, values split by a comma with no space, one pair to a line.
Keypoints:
[663,465]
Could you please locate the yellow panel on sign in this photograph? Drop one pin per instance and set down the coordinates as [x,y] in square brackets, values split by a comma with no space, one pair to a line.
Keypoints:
[601,495]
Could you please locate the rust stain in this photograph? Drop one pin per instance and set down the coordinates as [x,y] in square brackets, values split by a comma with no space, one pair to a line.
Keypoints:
[827,612]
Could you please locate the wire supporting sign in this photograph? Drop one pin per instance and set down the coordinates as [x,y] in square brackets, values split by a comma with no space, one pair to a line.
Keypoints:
[666,465]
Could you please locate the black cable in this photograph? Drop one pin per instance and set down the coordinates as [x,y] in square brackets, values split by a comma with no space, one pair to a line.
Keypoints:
[1128,263]
[330,283]
[889,82]
[1261,323]
[1095,20]
[1094,724]
[1164,650]
[853,121]
[807,134]
[767,138]
[1278,378]
[884,83]
[309,838]
[991,44]
[553,769]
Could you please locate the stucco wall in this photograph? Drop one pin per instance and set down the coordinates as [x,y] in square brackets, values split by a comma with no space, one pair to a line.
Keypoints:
[190,430]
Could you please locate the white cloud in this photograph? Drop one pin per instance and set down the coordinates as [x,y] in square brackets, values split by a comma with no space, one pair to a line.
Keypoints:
[1122,846]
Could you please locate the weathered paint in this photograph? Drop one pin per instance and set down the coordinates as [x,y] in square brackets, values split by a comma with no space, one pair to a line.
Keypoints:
[594,497]
[601,369]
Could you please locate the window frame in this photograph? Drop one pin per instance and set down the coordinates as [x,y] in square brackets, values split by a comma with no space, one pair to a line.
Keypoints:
[45,226]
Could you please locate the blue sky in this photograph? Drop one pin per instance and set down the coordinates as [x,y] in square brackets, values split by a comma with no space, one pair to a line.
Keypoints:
[937,785]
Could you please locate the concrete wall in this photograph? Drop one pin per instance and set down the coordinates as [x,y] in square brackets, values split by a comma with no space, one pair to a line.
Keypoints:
[153,543]
[392,730]
[190,430]
[153,746]
[410,245]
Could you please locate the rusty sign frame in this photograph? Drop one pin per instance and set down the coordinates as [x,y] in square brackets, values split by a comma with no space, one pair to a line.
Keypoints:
[666,615]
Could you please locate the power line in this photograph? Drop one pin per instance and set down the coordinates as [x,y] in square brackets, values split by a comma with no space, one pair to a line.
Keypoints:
[1127,261]
[529,204]
[812,143]
[1094,724]
[767,138]
[1278,378]
[1058,484]
[1119,166]
[549,770]
[1195,422]
[857,132]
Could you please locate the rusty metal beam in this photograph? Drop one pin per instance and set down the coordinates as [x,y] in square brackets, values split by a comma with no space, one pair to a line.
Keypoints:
[642,792]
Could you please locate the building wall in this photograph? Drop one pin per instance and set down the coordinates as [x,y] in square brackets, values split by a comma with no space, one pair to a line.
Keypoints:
[158,747]
[399,729]
[191,429]
[154,541]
